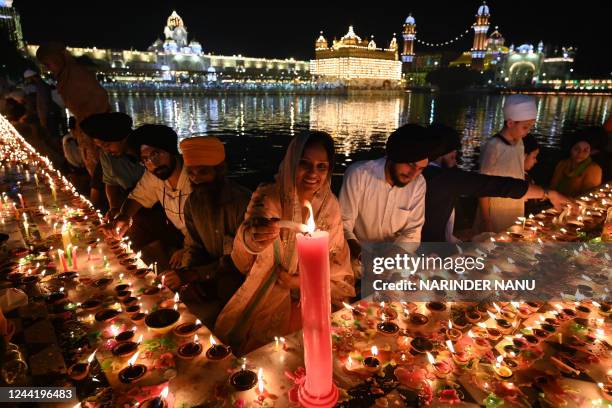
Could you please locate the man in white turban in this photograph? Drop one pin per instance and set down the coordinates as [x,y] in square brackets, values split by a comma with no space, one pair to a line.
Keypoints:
[503,155]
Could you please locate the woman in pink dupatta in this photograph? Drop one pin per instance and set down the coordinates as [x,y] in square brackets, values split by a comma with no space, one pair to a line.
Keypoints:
[267,304]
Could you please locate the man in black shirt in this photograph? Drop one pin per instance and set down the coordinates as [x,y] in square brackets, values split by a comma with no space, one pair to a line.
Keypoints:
[446,183]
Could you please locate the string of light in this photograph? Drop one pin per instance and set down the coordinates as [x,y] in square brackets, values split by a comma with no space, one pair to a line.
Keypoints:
[444,43]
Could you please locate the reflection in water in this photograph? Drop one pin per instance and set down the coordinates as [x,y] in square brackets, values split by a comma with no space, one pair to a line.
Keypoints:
[256,129]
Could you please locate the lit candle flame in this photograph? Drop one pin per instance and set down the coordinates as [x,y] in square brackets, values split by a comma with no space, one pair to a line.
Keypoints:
[195,338]
[346,305]
[212,340]
[310,223]
[133,359]
[140,339]
[164,393]
[450,324]
[374,351]
[449,344]
[431,358]
[260,383]
[91,356]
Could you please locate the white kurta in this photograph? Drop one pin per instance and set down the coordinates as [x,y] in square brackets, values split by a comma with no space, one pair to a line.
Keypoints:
[502,159]
[151,190]
[374,211]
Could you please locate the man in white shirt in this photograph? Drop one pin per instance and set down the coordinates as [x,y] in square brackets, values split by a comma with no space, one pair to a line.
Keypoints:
[383,200]
[165,182]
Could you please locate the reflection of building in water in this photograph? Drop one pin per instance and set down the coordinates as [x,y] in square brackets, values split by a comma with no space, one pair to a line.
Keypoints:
[357,63]
[356,123]
[10,23]
[177,58]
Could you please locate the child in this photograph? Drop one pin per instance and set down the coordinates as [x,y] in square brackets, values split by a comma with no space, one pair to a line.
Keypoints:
[503,155]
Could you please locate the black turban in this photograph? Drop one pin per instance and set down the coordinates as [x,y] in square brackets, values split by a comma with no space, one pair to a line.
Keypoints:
[409,144]
[109,127]
[530,143]
[159,136]
[444,138]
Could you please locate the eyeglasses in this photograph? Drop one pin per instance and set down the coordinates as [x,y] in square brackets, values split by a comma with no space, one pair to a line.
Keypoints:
[153,158]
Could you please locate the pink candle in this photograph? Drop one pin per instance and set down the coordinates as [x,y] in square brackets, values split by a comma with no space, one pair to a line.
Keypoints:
[313,256]
[62,258]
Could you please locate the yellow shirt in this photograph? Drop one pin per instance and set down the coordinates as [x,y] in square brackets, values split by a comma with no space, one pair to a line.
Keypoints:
[580,184]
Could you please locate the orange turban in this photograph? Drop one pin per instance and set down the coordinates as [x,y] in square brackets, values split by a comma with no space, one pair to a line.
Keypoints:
[202,151]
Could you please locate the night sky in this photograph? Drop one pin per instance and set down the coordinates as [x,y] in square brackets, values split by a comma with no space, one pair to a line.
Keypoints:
[291,32]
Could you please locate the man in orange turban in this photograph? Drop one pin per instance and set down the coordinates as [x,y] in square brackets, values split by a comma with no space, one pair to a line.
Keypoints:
[213,212]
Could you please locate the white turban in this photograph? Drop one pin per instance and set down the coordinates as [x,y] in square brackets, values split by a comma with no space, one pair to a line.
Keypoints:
[520,107]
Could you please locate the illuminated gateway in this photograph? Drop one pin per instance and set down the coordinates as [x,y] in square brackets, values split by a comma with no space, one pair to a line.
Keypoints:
[357,63]
[175,58]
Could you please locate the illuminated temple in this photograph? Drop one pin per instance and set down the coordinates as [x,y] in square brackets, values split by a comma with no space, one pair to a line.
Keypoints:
[357,63]
[175,57]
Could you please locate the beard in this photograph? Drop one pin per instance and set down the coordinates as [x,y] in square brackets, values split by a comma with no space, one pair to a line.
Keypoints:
[164,172]
[395,178]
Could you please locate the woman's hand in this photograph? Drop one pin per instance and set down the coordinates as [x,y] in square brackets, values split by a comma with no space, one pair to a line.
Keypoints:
[176,261]
[261,233]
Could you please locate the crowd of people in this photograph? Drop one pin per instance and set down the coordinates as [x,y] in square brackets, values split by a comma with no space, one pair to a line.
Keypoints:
[223,247]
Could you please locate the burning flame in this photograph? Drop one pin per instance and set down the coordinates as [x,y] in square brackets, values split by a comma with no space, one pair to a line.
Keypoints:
[140,339]
[310,223]
[449,344]
[164,393]
[91,356]
[198,322]
[195,338]
[176,297]
[133,359]
[431,358]
[346,305]
[212,340]
[470,334]
[491,315]
[450,324]
[260,383]
[374,351]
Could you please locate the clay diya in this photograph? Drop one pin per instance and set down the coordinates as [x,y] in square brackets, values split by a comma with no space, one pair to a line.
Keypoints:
[162,320]
[106,315]
[187,329]
[217,351]
[387,328]
[133,372]
[420,345]
[102,283]
[418,319]
[190,350]
[436,307]
[90,305]
[243,380]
